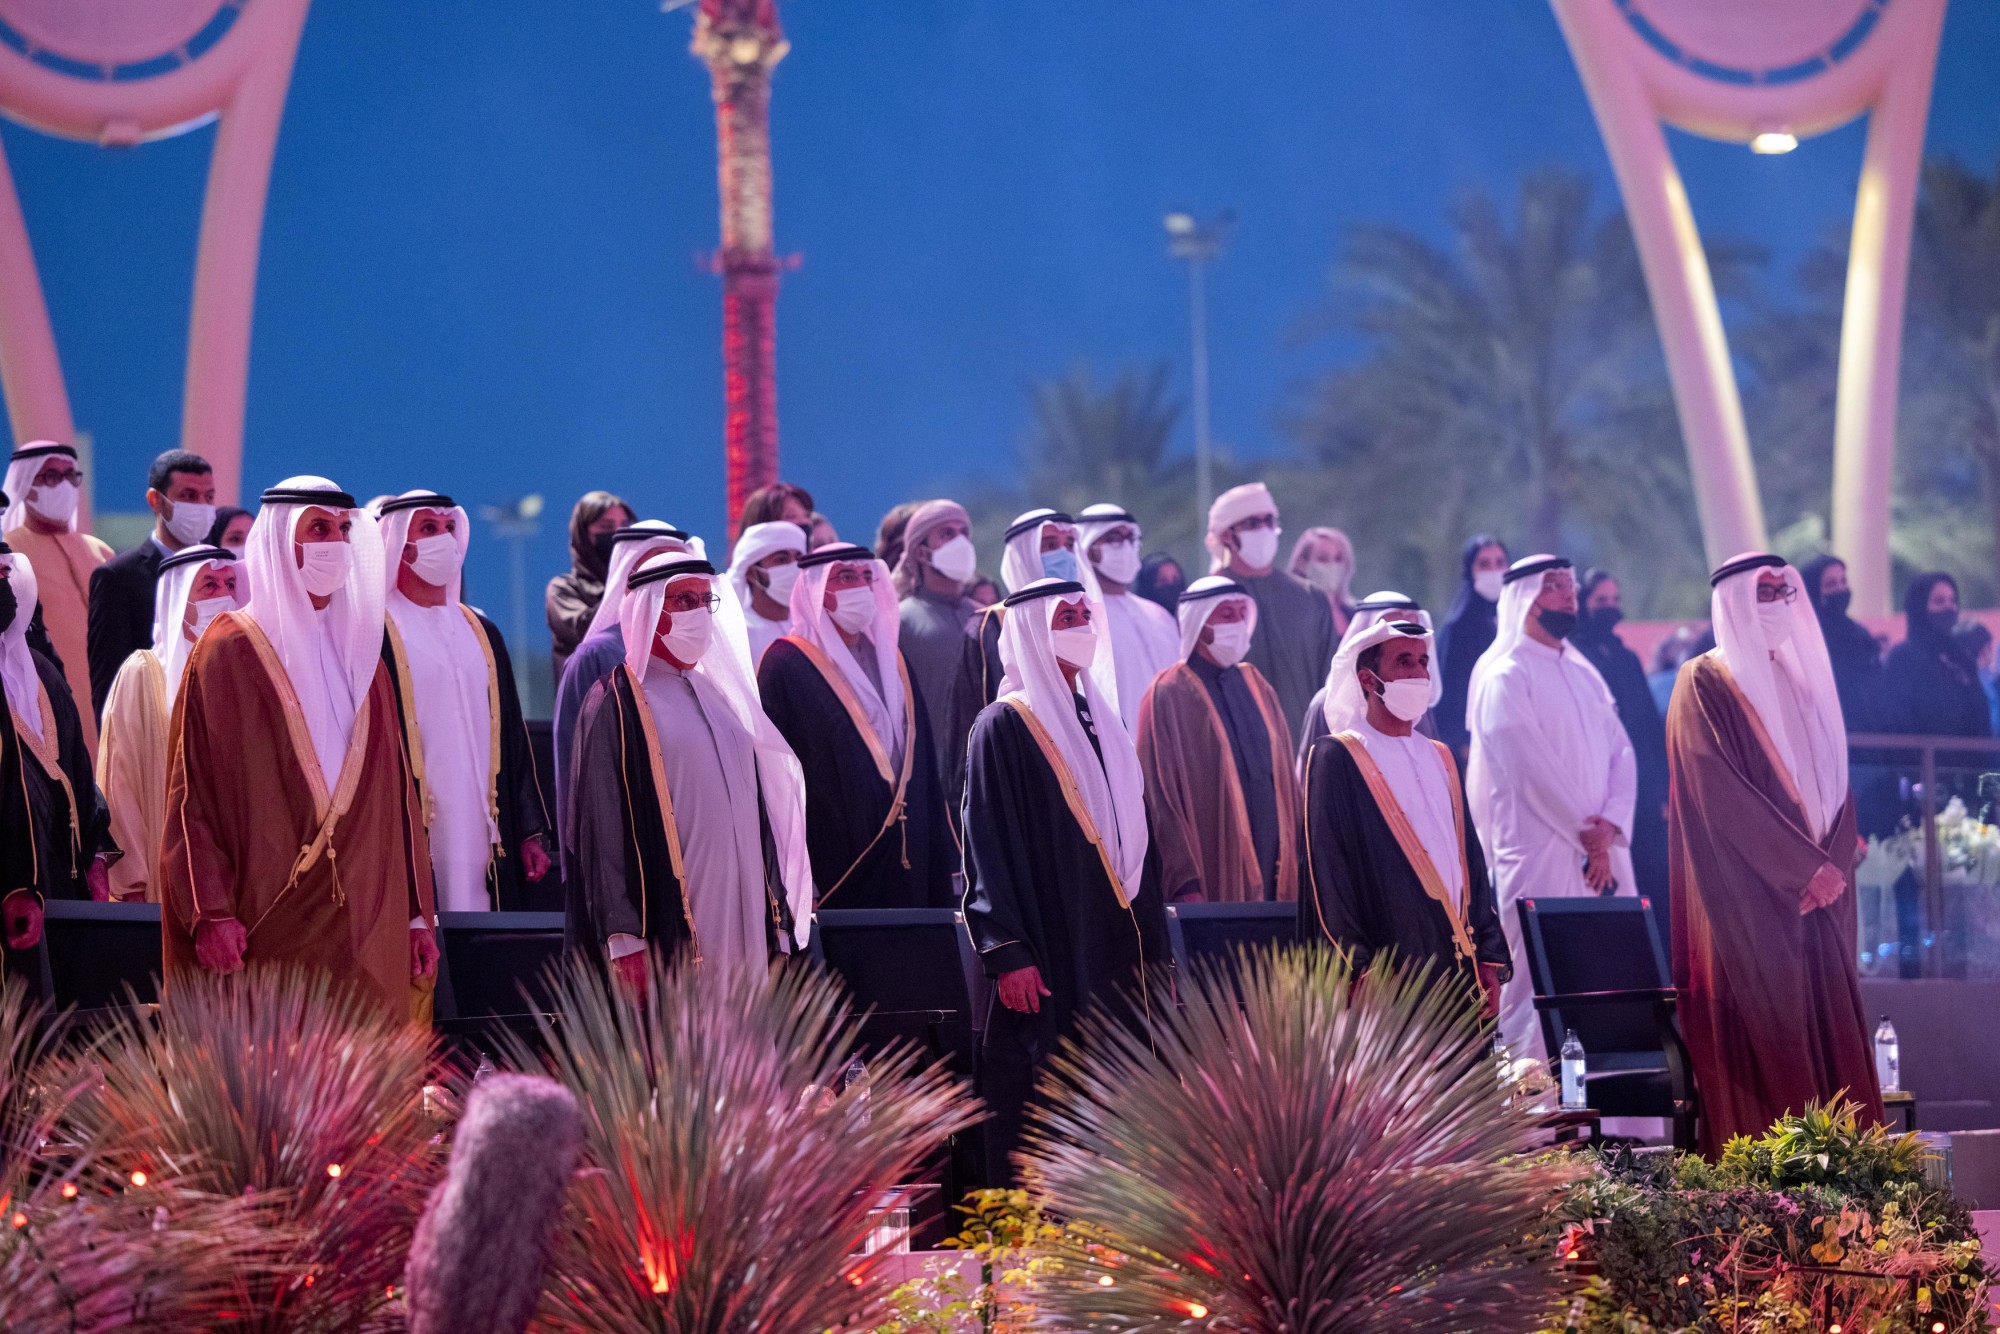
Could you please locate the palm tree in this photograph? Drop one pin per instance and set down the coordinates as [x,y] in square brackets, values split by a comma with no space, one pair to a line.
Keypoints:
[1105,442]
[1516,379]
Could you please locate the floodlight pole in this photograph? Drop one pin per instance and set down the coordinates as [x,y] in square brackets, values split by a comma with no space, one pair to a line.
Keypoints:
[1199,244]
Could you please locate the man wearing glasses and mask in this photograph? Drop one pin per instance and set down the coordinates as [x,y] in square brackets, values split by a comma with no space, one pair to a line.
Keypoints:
[1763,849]
[690,811]
[47,486]
[838,689]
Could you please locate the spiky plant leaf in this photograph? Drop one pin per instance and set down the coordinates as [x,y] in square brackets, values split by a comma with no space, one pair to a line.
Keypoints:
[726,1185]
[282,1087]
[1326,1153]
[78,1251]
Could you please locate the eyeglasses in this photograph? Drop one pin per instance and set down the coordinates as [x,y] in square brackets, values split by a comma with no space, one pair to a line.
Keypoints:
[707,602]
[1776,592]
[53,476]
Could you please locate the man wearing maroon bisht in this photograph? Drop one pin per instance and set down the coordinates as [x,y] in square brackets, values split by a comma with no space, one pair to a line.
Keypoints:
[1762,855]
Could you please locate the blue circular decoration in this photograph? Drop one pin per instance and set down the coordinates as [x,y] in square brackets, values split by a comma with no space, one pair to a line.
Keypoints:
[194,48]
[1835,51]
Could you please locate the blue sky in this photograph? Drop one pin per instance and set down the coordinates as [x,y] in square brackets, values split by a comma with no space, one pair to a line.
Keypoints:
[481,261]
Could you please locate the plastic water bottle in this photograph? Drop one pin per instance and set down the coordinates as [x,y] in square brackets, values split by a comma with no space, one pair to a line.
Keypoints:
[1888,1057]
[1572,1073]
[856,1072]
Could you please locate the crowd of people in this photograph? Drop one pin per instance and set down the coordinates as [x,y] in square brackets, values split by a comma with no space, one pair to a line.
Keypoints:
[289,731]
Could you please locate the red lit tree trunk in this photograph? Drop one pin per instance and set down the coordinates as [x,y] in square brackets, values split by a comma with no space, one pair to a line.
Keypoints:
[740,40]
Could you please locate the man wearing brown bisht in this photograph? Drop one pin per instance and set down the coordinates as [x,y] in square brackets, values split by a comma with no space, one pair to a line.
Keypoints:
[1217,756]
[1762,849]
[293,830]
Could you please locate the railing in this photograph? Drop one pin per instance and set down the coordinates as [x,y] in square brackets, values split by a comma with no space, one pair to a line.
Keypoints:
[1947,923]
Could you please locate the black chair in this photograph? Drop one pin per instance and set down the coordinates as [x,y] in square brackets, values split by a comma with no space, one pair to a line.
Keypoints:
[915,977]
[91,952]
[491,968]
[1205,932]
[1600,969]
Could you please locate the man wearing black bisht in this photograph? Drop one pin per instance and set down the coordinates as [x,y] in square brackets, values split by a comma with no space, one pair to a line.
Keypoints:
[839,690]
[1062,894]
[1595,638]
[1394,863]
[1468,631]
[1855,656]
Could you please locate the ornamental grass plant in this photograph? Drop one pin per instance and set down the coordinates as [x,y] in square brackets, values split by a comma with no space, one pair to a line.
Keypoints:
[82,1250]
[283,1092]
[728,1180]
[1296,1148]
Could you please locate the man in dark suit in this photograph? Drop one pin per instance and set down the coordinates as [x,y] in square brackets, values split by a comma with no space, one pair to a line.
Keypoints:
[180,490]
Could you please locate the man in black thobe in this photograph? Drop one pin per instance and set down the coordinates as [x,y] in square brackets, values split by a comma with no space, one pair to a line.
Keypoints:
[838,690]
[1062,894]
[1394,863]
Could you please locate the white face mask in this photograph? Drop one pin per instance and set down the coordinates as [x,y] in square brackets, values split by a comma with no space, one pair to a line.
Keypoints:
[1408,698]
[689,635]
[1259,547]
[56,504]
[1118,561]
[236,550]
[778,581]
[190,522]
[1231,642]
[1775,619]
[324,566]
[853,609]
[206,610]
[956,559]
[1326,575]
[1075,646]
[1488,583]
[437,558]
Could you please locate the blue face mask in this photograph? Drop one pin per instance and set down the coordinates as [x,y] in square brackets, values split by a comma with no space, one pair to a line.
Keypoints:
[1059,564]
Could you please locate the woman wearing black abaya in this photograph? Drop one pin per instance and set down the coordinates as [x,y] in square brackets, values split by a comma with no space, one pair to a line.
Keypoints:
[1467,632]
[1856,657]
[1929,686]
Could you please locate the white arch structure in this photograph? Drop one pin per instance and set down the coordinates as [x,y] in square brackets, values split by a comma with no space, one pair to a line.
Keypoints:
[119,73]
[1736,70]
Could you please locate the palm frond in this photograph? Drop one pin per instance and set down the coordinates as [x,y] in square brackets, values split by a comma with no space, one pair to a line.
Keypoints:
[1296,1149]
[726,1185]
[281,1087]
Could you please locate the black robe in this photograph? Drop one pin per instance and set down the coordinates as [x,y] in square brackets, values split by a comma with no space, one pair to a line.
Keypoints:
[1364,896]
[1930,687]
[1468,631]
[1626,677]
[523,813]
[623,879]
[1036,893]
[858,862]
[33,802]
[946,666]
[1856,660]
[987,661]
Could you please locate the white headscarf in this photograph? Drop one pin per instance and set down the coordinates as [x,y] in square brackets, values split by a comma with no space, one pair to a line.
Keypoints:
[1346,703]
[1742,644]
[178,574]
[726,668]
[1114,792]
[351,626]
[1388,605]
[1097,520]
[395,526]
[1231,508]
[1523,585]
[1021,557]
[758,542]
[17,660]
[21,469]
[630,546]
[1199,601]
[811,623]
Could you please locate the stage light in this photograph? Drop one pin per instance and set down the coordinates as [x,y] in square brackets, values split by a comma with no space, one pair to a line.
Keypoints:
[1105,1280]
[1769,142]
[1180,224]
[333,1170]
[138,1178]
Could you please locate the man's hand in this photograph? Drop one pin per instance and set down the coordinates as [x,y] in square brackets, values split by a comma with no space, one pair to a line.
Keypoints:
[423,952]
[1489,991]
[98,876]
[1598,835]
[630,970]
[1597,873]
[21,919]
[1022,990]
[535,859]
[219,945]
